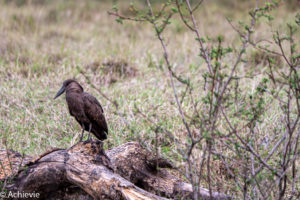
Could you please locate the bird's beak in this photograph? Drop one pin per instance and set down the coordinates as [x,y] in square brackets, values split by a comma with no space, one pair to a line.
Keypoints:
[62,90]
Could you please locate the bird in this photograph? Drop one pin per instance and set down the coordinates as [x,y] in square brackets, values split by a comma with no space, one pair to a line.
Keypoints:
[85,108]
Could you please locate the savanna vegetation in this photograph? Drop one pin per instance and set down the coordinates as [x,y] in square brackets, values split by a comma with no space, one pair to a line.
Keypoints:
[212,86]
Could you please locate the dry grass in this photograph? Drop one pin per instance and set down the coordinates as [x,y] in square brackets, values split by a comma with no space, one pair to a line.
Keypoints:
[42,45]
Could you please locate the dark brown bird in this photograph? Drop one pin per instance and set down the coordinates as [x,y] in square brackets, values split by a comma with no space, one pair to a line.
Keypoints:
[85,108]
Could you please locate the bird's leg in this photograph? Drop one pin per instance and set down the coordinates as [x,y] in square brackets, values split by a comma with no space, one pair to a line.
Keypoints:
[82,133]
[90,128]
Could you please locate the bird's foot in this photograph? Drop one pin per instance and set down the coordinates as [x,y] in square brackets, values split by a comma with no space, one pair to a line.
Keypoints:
[88,141]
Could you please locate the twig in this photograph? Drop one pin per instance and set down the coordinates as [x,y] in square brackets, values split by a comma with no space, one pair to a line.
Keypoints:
[124,17]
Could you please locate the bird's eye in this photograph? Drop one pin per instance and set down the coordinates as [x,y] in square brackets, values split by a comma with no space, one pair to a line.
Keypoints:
[67,83]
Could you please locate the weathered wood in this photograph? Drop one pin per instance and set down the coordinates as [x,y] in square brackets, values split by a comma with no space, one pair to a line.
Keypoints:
[85,171]
[138,165]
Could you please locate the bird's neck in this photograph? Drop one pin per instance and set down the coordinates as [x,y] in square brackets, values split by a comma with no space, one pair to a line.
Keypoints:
[74,88]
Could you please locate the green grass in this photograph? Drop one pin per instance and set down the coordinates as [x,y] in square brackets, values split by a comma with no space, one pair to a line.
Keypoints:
[42,45]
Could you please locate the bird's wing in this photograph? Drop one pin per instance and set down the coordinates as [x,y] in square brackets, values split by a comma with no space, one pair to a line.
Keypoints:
[94,111]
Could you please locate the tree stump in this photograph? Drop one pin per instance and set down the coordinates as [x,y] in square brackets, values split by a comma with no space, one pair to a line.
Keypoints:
[85,171]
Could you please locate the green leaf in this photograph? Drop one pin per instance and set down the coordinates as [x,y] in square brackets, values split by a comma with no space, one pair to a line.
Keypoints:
[115,8]
[174,10]
[119,20]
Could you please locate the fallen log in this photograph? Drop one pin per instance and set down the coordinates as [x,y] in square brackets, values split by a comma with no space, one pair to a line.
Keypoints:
[85,171]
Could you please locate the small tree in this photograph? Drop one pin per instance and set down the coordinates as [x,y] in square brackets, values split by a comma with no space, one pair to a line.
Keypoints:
[227,120]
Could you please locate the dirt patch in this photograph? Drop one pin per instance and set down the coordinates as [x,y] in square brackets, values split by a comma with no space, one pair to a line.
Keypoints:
[55,58]
[94,66]
[113,70]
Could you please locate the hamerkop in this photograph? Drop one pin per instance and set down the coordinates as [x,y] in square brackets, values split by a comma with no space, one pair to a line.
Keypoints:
[85,108]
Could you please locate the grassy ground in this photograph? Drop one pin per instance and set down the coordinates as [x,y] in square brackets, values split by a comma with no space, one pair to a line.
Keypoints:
[42,45]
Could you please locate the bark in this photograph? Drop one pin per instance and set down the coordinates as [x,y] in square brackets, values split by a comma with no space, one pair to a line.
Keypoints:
[85,171]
